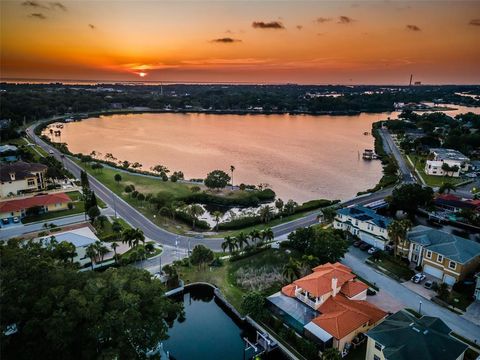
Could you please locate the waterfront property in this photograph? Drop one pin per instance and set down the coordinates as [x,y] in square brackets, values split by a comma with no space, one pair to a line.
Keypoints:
[13,210]
[446,162]
[445,256]
[328,306]
[80,238]
[21,177]
[402,336]
[364,223]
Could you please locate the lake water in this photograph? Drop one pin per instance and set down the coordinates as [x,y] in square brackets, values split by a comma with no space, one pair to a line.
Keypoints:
[301,157]
[207,331]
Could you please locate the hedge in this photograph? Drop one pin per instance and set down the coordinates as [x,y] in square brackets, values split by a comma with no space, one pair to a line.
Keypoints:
[184,217]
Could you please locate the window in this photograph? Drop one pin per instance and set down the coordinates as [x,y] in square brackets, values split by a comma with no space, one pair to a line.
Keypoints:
[429,254]
[31,182]
[452,265]
[439,258]
[375,357]
[378,346]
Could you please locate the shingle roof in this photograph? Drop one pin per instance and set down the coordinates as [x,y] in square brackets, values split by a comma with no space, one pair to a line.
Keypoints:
[39,200]
[405,337]
[22,170]
[451,246]
[365,214]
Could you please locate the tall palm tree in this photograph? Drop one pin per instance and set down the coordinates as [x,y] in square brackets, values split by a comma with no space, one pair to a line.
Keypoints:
[232,169]
[267,234]
[266,213]
[291,270]
[397,232]
[195,211]
[254,236]
[91,252]
[446,187]
[229,243]
[114,246]
[241,239]
[217,215]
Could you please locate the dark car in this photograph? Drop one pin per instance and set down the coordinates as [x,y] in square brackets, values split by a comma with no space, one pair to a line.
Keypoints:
[358,243]
[364,247]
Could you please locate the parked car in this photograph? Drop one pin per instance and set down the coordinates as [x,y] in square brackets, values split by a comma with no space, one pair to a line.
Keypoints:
[428,284]
[372,250]
[418,278]
[51,152]
[358,243]
[365,247]
[16,219]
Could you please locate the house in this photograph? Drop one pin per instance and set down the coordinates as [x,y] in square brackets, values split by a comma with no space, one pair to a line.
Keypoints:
[441,157]
[328,306]
[13,210]
[364,223]
[402,336]
[443,255]
[80,238]
[454,203]
[21,177]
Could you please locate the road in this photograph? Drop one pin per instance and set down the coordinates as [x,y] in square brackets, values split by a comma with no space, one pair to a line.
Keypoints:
[161,236]
[391,148]
[410,299]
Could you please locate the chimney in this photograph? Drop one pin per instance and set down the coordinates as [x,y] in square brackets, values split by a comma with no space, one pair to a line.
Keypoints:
[334,286]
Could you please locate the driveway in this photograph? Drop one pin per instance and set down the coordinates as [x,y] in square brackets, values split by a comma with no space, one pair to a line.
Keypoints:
[473,312]
[410,299]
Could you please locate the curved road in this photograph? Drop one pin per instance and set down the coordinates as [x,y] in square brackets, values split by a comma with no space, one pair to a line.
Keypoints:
[154,232]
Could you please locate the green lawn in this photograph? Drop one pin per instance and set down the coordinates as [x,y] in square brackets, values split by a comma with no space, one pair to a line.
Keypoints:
[226,277]
[78,209]
[431,180]
[393,266]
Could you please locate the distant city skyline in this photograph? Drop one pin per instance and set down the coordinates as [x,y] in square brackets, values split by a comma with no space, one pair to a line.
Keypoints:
[326,42]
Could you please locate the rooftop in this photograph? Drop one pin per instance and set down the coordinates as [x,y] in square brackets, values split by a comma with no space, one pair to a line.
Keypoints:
[80,237]
[448,154]
[406,337]
[22,170]
[451,246]
[38,200]
[365,214]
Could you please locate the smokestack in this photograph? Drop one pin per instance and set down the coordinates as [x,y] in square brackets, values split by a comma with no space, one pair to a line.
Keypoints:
[334,286]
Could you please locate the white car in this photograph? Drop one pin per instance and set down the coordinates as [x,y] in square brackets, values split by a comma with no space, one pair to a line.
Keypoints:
[418,278]
[51,152]
[372,250]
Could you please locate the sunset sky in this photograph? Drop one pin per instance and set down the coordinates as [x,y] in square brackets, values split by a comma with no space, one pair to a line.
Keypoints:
[346,42]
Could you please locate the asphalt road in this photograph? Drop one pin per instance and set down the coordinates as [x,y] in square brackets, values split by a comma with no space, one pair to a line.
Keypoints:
[391,148]
[152,231]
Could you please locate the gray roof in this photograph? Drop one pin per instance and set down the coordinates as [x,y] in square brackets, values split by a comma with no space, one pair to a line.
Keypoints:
[451,246]
[22,170]
[448,154]
[406,337]
[365,214]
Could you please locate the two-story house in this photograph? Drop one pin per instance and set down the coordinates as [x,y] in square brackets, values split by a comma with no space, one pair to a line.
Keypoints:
[364,223]
[328,306]
[21,177]
[404,336]
[440,157]
[443,255]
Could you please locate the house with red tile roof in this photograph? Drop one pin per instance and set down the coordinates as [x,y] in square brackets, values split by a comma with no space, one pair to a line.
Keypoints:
[329,306]
[20,207]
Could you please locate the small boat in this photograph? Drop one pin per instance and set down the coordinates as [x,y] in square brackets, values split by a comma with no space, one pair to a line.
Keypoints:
[366,133]
[368,154]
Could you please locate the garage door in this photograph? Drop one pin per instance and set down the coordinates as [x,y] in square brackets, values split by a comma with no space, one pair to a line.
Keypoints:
[438,273]
[379,244]
[450,280]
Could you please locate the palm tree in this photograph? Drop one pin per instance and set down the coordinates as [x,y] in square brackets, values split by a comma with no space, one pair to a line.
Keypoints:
[116,228]
[114,246]
[446,187]
[91,252]
[255,235]
[229,243]
[217,215]
[242,239]
[291,270]
[195,211]
[397,232]
[232,169]
[267,234]
[266,213]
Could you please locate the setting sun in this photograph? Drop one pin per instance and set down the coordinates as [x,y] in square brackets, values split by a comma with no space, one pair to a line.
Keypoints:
[142,74]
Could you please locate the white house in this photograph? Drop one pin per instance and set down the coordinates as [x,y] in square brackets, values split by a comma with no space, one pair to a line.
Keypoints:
[364,223]
[453,158]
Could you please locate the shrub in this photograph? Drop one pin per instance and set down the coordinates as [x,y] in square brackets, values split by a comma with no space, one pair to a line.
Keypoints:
[240,223]
[314,204]
[184,217]
[70,206]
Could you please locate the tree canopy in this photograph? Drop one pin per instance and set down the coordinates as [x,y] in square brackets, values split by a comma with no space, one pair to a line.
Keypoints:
[217,179]
[409,197]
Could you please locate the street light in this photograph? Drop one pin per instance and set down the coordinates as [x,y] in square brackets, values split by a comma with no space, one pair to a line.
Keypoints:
[420,307]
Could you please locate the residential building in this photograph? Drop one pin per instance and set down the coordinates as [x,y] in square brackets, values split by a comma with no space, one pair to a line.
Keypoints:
[452,158]
[454,203]
[328,306]
[402,336]
[477,287]
[21,177]
[81,238]
[364,223]
[445,256]
[13,210]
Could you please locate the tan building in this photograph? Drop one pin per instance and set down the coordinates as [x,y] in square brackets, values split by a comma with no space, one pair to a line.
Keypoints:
[21,177]
[445,256]
[403,336]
